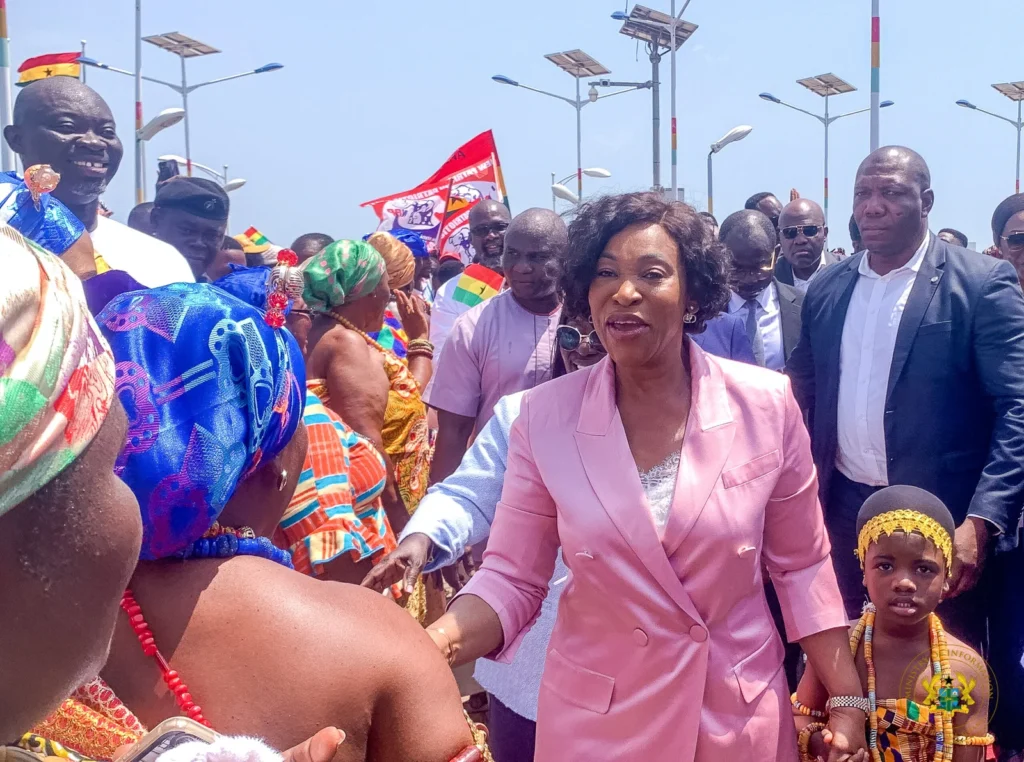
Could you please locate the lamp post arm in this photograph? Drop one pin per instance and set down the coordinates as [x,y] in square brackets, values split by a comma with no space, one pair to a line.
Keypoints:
[108,67]
[570,101]
[802,111]
[627,90]
[1016,125]
[848,113]
[190,88]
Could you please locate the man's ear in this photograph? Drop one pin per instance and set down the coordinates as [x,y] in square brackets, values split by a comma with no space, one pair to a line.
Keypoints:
[14,137]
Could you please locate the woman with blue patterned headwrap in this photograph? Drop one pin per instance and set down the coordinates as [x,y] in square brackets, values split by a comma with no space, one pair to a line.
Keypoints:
[215,446]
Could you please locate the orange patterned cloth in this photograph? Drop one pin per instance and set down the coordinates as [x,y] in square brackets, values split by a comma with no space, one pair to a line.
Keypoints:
[92,722]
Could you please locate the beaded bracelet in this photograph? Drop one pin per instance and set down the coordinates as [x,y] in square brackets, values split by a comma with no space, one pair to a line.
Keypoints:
[986,740]
[806,711]
[420,344]
[803,740]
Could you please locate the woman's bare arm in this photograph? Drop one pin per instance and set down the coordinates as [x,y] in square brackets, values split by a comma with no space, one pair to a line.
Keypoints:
[358,386]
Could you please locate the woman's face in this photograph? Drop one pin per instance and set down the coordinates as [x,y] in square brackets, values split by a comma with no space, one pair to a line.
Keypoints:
[1011,247]
[638,295]
[585,353]
[66,557]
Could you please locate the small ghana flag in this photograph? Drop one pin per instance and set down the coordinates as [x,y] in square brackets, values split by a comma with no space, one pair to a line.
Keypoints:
[477,284]
[256,237]
[50,65]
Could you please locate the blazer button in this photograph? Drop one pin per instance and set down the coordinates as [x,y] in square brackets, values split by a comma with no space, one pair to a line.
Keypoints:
[640,637]
[698,633]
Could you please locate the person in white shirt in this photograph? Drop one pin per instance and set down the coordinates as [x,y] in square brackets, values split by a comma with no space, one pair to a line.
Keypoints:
[488,221]
[802,234]
[910,370]
[64,123]
[771,310]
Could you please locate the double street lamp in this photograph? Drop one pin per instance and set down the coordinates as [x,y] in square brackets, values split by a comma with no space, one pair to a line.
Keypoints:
[824,85]
[736,133]
[184,47]
[661,33]
[558,190]
[1015,92]
[577,64]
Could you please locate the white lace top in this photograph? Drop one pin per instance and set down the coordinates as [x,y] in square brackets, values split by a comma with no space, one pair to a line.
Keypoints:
[659,485]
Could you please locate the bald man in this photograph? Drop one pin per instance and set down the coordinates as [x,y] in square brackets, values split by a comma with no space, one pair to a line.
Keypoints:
[62,122]
[910,366]
[503,345]
[488,221]
[802,233]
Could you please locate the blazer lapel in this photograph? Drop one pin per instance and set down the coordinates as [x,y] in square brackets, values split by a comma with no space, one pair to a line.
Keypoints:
[611,470]
[835,314]
[789,315]
[925,284]
[707,442]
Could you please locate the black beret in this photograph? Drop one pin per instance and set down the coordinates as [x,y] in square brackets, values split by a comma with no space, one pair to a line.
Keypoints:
[203,198]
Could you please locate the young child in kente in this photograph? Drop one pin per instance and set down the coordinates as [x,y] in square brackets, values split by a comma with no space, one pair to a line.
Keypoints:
[928,693]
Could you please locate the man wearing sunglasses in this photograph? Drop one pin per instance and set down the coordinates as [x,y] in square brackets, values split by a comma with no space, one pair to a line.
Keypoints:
[802,234]
[770,310]
[910,368]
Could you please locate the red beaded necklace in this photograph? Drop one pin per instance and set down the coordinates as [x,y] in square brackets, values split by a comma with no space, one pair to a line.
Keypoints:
[148,642]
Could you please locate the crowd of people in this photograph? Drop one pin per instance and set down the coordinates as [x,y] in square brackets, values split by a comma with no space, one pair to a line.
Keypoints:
[679,490]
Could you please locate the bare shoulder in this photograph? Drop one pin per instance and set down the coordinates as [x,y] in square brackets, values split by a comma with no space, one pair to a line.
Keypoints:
[331,614]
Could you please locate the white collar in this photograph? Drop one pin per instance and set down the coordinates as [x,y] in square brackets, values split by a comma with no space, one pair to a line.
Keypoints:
[914,265]
[765,298]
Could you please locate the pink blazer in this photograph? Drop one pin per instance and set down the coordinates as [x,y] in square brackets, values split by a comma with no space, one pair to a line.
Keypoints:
[663,648]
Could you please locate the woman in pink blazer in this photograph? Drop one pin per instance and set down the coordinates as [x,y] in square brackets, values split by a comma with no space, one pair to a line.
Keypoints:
[667,477]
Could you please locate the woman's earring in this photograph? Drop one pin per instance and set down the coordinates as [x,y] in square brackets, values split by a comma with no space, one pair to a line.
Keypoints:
[282,480]
[690,317]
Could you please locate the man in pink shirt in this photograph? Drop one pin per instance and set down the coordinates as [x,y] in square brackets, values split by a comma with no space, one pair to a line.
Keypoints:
[503,345]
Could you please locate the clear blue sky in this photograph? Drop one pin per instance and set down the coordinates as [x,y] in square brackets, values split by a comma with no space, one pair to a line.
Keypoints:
[374,96]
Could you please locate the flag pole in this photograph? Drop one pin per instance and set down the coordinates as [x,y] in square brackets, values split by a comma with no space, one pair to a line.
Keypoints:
[6,154]
[875,72]
[140,190]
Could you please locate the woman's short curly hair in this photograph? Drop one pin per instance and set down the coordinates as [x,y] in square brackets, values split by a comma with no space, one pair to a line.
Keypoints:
[704,261]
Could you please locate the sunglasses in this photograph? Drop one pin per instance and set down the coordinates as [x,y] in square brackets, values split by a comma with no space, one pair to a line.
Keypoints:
[569,339]
[1014,241]
[809,231]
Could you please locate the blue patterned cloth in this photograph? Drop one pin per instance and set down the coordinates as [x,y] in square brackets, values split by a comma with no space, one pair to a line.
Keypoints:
[211,392]
[52,226]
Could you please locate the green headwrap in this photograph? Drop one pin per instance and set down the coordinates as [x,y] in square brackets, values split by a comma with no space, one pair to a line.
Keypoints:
[340,274]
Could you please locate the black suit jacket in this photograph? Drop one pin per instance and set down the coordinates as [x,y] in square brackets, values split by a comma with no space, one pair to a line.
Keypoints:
[954,414]
[790,304]
[784,270]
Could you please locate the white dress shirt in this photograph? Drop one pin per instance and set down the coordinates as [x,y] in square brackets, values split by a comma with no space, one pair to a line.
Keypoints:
[769,322]
[865,357]
[800,284]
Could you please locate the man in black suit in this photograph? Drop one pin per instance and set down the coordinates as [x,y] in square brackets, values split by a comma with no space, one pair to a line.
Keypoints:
[771,310]
[910,367]
[802,234]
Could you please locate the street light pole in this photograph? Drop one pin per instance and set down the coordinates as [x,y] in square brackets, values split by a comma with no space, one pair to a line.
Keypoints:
[184,105]
[876,72]
[140,188]
[579,139]
[824,85]
[827,123]
[656,115]
[1019,125]
[711,203]
[1015,92]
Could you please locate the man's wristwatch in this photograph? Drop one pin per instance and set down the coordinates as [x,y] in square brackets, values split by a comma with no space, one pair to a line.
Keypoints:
[848,702]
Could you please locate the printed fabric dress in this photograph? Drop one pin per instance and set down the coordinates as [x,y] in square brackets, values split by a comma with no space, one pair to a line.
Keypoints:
[336,508]
[407,442]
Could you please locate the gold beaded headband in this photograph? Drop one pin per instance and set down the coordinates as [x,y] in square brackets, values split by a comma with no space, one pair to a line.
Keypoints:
[907,521]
